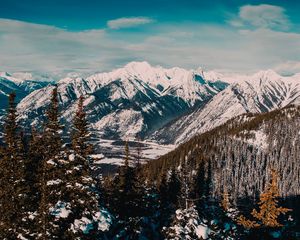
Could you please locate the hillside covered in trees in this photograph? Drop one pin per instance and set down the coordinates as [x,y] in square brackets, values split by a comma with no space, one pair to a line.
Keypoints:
[237,181]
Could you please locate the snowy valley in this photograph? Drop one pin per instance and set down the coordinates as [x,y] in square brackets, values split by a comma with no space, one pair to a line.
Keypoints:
[159,107]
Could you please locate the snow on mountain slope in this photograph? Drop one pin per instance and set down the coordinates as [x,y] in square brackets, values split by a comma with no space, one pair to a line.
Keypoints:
[126,123]
[19,84]
[261,92]
[128,102]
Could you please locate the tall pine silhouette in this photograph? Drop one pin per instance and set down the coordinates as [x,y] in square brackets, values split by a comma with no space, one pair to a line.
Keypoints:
[14,191]
[85,216]
[53,208]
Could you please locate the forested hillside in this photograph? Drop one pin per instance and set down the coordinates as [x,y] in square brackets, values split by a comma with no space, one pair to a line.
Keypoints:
[241,151]
[234,182]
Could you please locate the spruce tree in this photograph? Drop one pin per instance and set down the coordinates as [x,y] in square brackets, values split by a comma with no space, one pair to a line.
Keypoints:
[208,182]
[14,189]
[80,135]
[165,209]
[198,186]
[138,156]
[35,155]
[185,225]
[53,208]
[85,217]
[126,200]
[174,188]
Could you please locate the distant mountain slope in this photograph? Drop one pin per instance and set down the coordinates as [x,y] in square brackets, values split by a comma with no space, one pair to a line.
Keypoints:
[129,102]
[242,151]
[19,84]
[261,92]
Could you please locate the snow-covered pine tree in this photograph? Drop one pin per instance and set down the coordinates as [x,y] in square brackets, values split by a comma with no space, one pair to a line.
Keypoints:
[186,225]
[14,189]
[86,219]
[53,208]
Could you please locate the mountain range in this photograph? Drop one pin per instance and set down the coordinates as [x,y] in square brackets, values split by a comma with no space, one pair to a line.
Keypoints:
[158,105]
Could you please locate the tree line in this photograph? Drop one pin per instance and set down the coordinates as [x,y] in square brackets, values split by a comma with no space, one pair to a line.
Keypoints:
[49,190]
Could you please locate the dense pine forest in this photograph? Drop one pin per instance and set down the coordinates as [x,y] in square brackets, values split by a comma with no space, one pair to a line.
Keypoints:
[227,183]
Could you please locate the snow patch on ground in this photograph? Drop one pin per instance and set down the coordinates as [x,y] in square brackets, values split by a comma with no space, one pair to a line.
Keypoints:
[53,182]
[259,140]
[102,218]
[112,153]
[61,209]
[202,231]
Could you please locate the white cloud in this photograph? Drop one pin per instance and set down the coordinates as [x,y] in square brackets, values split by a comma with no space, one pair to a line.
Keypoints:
[288,68]
[128,22]
[262,16]
[26,47]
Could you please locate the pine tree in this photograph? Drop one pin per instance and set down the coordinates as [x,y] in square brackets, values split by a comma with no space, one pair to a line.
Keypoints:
[126,159]
[185,184]
[125,186]
[80,136]
[198,186]
[53,208]
[208,182]
[174,187]
[165,209]
[246,223]
[35,154]
[138,156]
[225,203]
[85,217]
[185,225]
[14,189]
[269,211]
[126,200]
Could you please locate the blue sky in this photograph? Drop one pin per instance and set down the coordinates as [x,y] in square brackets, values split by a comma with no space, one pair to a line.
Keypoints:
[88,36]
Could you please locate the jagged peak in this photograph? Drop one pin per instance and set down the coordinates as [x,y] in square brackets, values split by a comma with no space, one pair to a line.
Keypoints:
[268,74]
[70,79]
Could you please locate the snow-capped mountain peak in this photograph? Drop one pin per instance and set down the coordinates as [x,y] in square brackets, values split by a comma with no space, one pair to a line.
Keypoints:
[263,91]
[152,95]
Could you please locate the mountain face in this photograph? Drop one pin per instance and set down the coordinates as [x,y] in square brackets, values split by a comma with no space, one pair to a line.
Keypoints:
[22,85]
[242,152]
[159,105]
[126,103]
[259,93]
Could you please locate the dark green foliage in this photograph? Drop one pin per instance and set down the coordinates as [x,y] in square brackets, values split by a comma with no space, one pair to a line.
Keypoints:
[80,136]
[51,178]
[81,192]
[14,191]
[42,176]
[198,186]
